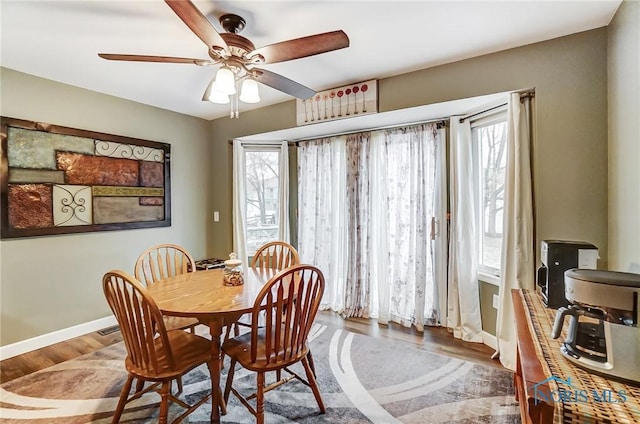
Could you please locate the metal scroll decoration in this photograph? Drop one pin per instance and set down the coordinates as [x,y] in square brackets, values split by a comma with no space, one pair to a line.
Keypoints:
[338,103]
[59,180]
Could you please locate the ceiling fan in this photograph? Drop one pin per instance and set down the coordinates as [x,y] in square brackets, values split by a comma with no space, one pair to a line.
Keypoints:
[239,57]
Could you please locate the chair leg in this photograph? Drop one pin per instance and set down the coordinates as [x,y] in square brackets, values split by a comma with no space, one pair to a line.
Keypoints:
[139,385]
[260,399]
[164,402]
[123,399]
[179,381]
[311,364]
[312,382]
[227,386]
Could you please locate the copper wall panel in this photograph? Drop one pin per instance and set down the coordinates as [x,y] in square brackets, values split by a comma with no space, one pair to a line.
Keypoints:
[97,170]
[151,174]
[151,201]
[30,206]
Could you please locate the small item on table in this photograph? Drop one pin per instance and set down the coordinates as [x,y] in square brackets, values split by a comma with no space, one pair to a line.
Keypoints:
[233,271]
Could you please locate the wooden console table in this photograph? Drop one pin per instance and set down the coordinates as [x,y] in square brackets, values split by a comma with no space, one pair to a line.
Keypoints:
[528,369]
[552,389]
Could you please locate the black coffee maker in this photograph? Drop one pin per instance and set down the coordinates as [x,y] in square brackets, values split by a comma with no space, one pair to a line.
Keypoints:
[557,256]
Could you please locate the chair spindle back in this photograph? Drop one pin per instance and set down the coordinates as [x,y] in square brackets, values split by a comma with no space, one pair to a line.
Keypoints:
[163,261]
[275,255]
[289,303]
[140,320]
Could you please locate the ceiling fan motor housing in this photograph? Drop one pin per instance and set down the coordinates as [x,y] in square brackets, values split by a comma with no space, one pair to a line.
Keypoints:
[232,23]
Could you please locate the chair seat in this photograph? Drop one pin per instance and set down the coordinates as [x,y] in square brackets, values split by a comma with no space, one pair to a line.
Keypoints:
[179,323]
[239,349]
[189,351]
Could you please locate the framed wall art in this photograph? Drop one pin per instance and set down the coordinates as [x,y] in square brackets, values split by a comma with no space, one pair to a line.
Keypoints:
[59,180]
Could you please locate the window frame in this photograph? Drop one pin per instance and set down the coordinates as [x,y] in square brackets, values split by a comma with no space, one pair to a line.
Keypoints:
[257,148]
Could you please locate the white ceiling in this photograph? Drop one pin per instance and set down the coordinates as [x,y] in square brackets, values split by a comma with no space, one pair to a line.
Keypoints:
[59,40]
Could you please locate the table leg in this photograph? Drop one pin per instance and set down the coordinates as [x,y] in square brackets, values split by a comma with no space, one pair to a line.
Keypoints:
[217,401]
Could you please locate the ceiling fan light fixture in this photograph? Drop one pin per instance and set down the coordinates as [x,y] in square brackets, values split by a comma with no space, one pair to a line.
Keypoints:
[211,95]
[225,81]
[249,92]
[218,97]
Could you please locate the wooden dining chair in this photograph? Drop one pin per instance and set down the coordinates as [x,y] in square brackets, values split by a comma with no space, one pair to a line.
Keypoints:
[164,261]
[275,255]
[288,303]
[154,354]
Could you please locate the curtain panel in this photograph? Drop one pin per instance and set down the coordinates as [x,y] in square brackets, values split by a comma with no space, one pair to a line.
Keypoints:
[366,204]
[518,245]
[463,301]
[239,210]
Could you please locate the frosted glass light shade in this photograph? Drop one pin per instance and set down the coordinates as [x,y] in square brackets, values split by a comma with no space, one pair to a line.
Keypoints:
[218,97]
[249,92]
[211,95]
[225,81]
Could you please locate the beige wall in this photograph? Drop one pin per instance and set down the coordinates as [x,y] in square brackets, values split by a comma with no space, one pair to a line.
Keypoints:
[54,282]
[570,157]
[488,313]
[624,138]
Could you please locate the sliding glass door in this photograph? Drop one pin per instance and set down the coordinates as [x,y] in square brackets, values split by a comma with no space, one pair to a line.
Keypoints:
[369,207]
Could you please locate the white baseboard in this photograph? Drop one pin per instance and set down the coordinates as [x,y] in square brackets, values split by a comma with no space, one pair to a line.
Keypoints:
[44,340]
[490,340]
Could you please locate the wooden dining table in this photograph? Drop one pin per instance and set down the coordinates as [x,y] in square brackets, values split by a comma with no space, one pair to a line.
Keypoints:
[204,296]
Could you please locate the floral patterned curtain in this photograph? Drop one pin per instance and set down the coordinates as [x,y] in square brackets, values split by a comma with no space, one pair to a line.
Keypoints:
[366,202]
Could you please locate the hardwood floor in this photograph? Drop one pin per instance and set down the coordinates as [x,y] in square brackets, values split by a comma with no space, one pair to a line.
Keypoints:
[30,362]
[434,339]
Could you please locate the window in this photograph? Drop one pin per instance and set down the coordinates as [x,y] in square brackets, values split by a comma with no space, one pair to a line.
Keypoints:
[262,182]
[490,155]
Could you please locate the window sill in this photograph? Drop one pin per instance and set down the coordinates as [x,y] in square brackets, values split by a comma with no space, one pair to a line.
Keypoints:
[489,278]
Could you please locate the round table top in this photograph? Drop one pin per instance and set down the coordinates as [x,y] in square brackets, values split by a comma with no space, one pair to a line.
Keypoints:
[203,293]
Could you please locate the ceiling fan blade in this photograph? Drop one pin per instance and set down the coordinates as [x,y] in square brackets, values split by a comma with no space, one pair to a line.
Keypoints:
[283,84]
[198,23]
[162,59]
[302,47]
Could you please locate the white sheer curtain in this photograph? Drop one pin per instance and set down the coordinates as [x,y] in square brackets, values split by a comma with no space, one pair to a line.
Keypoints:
[463,312]
[239,206]
[404,259]
[440,238]
[284,231]
[366,202]
[518,250]
[322,218]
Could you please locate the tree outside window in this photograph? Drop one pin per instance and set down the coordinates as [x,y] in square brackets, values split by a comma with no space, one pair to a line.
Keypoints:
[261,182]
[491,142]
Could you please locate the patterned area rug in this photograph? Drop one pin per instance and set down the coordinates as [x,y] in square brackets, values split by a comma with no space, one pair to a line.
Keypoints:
[362,380]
